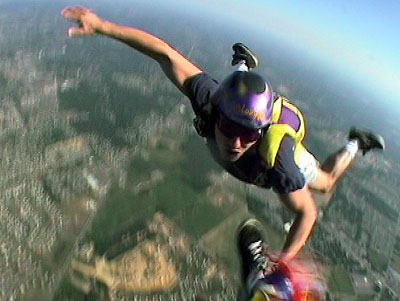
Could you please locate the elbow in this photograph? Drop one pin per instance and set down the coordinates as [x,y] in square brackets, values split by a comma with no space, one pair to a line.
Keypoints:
[309,213]
[329,186]
[307,219]
[155,48]
[313,213]
[311,219]
[163,54]
[167,57]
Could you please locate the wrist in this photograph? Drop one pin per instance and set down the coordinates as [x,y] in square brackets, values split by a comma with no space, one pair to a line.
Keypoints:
[103,27]
[286,257]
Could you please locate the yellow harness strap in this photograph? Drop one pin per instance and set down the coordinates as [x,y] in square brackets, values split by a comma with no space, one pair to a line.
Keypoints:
[277,109]
[273,137]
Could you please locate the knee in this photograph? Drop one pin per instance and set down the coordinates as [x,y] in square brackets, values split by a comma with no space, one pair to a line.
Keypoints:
[324,185]
[329,185]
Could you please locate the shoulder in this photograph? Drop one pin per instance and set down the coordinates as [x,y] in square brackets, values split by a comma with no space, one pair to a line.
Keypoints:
[285,176]
[200,88]
[200,79]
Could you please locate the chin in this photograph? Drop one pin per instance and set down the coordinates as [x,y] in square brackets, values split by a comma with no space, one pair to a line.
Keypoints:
[230,157]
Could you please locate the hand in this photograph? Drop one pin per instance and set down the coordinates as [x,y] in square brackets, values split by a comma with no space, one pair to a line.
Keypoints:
[273,263]
[272,267]
[89,23]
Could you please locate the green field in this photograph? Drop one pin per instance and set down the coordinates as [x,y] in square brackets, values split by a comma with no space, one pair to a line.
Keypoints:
[395,262]
[378,260]
[340,281]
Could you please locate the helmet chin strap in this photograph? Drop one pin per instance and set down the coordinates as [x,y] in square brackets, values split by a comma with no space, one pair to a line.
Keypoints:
[241,66]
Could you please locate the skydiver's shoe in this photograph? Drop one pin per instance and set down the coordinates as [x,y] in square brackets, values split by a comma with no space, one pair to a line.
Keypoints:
[367,140]
[242,52]
[251,247]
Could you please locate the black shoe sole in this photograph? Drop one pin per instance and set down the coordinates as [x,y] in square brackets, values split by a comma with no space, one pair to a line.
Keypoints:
[242,52]
[245,264]
[374,141]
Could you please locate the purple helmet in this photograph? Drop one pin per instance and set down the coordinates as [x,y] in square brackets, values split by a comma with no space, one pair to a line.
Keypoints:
[245,98]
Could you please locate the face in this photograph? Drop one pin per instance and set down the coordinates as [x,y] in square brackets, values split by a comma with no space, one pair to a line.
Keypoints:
[231,148]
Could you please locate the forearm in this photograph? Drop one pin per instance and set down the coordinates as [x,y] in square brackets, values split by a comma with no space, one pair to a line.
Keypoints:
[175,66]
[140,40]
[298,234]
[302,204]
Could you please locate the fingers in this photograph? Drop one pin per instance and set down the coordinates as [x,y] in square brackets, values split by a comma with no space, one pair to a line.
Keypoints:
[271,267]
[274,262]
[80,31]
[74,12]
[79,15]
[74,32]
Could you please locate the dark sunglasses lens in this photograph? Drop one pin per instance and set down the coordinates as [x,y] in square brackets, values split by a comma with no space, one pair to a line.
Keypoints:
[231,130]
[250,137]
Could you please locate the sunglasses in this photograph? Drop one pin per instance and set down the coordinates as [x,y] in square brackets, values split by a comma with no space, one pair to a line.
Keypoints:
[232,130]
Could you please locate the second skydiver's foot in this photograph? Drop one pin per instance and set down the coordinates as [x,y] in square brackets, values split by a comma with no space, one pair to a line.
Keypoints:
[243,53]
[367,140]
[251,247]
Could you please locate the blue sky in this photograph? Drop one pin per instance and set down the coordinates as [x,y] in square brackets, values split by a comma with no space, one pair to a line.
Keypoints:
[362,37]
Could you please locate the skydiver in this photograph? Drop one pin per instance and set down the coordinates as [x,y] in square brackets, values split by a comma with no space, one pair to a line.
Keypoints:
[251,131]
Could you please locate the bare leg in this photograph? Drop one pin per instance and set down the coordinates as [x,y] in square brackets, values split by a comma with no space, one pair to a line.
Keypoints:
[329,174]
[337,164]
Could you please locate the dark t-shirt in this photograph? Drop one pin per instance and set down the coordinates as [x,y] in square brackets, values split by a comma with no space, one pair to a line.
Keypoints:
[284,177]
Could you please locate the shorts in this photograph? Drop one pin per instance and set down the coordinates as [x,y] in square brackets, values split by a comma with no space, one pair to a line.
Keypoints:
[308,166]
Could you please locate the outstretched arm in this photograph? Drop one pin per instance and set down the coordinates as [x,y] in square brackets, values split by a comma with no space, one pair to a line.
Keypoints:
[302,204]
[176,66]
